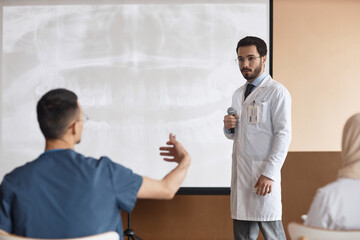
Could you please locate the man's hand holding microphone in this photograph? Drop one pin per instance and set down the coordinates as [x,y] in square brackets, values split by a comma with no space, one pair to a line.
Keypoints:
[230,120]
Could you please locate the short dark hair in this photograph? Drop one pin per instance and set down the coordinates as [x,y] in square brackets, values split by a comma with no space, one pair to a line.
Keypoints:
[258,42]
[55,110]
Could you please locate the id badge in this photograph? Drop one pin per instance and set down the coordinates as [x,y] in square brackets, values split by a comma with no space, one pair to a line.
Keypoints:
[253,113]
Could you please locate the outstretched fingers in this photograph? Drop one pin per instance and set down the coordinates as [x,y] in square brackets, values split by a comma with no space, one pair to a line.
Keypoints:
[168,153]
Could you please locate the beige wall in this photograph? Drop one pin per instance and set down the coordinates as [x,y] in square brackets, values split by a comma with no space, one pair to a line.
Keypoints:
[316,56]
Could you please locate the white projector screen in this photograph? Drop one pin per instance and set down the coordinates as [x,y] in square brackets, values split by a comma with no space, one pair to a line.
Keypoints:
[141,70]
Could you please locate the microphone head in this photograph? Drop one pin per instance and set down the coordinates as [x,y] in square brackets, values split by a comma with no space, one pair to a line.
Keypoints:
[231,111]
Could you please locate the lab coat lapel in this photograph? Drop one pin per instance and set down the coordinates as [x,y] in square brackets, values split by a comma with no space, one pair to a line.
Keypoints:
[256,91]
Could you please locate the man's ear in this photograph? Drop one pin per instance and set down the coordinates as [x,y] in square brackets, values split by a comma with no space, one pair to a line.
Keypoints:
[264,58]
[77,127]
[72,128]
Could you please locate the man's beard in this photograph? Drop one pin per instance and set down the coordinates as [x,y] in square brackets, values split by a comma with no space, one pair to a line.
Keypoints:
[253,74]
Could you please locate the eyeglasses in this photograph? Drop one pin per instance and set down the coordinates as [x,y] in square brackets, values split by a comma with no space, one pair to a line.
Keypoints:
[250,60]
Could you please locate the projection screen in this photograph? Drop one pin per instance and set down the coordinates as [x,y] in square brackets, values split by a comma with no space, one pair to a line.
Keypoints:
[140,69]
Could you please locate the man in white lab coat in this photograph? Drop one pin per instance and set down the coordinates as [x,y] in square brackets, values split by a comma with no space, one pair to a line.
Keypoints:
[261,131]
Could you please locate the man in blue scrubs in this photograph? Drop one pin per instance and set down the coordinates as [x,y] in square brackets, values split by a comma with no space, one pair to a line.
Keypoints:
[63,194]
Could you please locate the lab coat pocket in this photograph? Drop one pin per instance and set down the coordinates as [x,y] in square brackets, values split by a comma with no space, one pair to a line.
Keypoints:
[257,170]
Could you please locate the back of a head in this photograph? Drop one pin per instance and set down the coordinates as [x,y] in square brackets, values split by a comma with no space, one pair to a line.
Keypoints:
[55,110]
[250,40]
[350,151]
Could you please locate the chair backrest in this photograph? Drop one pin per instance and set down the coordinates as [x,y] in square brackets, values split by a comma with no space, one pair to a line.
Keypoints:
[101,236]
[299,231]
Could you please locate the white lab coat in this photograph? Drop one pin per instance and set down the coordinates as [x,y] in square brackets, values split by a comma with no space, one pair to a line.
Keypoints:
[259,149]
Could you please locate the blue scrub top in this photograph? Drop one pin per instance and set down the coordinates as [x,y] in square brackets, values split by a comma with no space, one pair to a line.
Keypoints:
[63,194]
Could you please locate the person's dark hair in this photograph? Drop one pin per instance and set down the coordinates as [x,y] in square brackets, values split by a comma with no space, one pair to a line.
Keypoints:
[258,42]
[55,110]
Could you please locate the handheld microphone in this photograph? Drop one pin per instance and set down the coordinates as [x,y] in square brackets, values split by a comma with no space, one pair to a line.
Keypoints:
[231,111]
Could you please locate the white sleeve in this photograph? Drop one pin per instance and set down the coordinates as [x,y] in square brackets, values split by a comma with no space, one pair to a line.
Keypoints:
[319,215]
[281,120]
